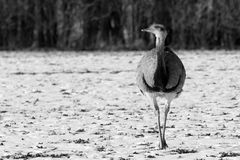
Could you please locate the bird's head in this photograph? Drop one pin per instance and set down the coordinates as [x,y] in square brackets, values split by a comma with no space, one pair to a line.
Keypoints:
[158,30]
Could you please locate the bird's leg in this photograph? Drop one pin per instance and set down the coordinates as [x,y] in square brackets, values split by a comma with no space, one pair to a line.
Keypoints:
[167,107]
[152,101]
[161,145]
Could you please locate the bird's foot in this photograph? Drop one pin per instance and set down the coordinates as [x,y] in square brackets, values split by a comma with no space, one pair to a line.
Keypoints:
[163,145]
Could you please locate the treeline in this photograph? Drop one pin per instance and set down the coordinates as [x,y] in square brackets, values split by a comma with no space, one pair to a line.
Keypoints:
[116,24]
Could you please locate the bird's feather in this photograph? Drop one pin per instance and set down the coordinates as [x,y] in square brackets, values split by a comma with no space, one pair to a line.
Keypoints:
[160,72]
[175,69]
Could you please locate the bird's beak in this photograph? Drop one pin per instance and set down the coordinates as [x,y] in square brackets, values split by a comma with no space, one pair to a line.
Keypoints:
[147,30]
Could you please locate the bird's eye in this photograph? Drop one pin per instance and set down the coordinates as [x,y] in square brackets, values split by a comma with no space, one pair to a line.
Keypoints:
[160,28]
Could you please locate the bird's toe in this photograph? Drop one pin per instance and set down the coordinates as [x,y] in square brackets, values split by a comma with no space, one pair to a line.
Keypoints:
[160,147]
[163,146]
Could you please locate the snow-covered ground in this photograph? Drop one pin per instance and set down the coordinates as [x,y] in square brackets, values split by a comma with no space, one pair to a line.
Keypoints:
[82,105]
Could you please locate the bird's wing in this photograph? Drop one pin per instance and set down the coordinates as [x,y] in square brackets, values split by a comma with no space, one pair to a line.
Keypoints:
[145,70]
[175,69]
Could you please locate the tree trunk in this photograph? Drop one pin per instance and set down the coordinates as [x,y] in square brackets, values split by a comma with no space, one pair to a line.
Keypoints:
[37,24]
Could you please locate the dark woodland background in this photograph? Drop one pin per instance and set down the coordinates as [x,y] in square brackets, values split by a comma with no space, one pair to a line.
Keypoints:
[116,24]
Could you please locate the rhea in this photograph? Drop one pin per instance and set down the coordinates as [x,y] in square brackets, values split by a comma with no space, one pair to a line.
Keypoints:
[160,73]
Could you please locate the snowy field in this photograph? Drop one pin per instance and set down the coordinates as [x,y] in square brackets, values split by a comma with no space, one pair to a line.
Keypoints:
[67,105]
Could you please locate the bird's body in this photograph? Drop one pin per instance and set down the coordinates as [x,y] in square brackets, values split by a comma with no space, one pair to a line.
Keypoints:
[160,73]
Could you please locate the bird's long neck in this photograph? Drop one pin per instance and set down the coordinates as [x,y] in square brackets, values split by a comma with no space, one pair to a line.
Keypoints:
[160,42]
[161,66]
